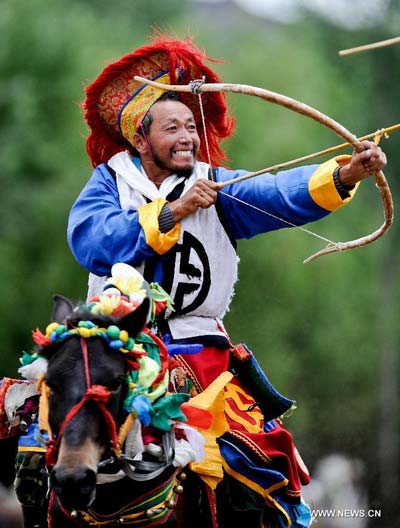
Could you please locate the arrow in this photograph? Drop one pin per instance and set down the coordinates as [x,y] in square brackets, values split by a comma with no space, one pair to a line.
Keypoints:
[368,47]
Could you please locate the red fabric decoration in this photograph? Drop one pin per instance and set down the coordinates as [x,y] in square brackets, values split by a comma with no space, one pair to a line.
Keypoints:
[196,416]
[131,363]
[206,366]
[163,356]
[39,338]
[124,308]
[131,359]
[160,306]
[51,453]
[114,86]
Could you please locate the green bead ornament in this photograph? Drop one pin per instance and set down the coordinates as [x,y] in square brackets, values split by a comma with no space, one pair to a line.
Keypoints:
[61,329]
[113,332]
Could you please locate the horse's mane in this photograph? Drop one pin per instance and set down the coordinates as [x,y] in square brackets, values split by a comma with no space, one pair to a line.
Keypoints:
[81,313]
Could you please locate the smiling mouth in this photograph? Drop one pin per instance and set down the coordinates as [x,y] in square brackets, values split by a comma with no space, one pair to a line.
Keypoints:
[183,153]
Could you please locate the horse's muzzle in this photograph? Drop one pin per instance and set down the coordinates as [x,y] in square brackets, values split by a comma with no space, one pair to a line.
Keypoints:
[75,490]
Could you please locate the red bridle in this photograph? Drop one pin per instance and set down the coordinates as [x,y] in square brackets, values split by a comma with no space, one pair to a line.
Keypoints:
[95,393]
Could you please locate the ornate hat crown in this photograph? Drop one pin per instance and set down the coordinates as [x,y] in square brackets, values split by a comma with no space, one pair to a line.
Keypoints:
[115,103]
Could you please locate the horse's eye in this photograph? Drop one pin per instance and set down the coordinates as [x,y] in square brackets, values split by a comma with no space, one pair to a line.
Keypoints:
[52,388]
[116,383]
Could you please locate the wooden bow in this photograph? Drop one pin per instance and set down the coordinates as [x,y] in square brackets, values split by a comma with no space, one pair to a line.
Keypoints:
[199,87]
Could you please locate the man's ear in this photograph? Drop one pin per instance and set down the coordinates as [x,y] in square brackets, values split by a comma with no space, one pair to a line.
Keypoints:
[140,144]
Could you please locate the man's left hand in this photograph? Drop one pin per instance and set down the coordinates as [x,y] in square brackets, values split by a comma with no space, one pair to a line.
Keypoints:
[363,164]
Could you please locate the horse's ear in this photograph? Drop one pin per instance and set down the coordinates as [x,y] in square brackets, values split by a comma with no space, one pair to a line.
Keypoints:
[62,308]
[135,321]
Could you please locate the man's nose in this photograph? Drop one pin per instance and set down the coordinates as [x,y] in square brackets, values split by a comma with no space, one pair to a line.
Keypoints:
[184,136]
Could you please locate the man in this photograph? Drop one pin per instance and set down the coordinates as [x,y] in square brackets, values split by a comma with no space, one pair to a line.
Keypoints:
[153,204]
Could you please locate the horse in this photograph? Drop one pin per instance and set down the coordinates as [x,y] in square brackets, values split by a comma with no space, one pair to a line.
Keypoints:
[91,482]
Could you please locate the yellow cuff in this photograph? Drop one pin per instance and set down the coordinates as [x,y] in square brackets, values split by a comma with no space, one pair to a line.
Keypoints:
[322,187]
[148,219]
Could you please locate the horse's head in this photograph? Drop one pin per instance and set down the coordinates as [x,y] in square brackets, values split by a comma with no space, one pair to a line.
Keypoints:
[86,376]
[104,368]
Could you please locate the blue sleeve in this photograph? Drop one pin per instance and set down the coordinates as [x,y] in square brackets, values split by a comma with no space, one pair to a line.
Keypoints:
[267,202]
[100,233]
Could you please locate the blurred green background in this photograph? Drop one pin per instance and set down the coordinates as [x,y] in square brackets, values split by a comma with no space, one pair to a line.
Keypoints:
[327,333]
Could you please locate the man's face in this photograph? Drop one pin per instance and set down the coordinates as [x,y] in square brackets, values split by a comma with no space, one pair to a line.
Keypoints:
[173,137]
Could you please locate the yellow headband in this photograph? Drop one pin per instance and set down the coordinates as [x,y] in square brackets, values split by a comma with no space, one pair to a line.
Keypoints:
[137,107]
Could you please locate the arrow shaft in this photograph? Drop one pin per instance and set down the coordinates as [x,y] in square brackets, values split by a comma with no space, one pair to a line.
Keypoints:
[330,150]
[373,45]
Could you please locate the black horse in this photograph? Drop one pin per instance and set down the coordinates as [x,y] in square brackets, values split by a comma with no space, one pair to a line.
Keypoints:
[86,379]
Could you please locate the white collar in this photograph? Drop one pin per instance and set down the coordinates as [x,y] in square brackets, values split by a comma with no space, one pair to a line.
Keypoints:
[124,166]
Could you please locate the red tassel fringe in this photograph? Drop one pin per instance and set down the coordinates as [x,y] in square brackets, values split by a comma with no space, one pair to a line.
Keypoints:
[103,142]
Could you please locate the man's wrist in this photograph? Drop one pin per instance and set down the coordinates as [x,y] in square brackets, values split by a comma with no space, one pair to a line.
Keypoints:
[341,187]
[166,220]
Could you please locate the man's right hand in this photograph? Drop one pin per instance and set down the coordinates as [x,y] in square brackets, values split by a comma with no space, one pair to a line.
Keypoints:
[202,195]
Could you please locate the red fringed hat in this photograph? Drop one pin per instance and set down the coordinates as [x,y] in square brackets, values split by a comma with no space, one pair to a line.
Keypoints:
[115,103]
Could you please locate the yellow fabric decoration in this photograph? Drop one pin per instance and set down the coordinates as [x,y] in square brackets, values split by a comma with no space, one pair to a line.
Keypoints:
[137,107]
[124,429]
[148,219]
[31,449]
[252,421]
[44,390]
[160,390]
[213,400]
[106,304]
[322,187]
[148,371]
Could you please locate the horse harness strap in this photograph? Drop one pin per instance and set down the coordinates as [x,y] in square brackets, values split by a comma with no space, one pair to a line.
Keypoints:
[142,470]
[150,509]
[139,470]
[96,393]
